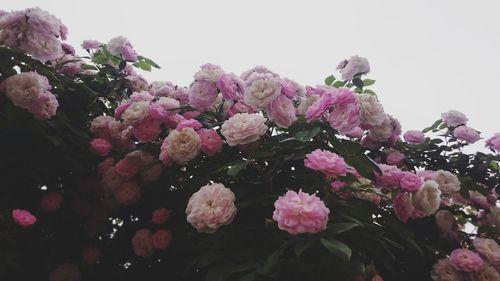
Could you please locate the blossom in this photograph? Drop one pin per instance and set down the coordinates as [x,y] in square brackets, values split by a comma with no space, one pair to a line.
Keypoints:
[160,215]
[91,255]
[211,207]
[326,162]
[372,112]
[202,95]
[209,72]
[127,193]
[486,273]
[44,107]
[494,217]
[447,225]
[65,272]
[409,181]
[261,90]
[142,243]
[427,199]
[300,212]
[306,103]
[189,123]
[389,178]
[465,260]
[120,46]
[23,218]
[24,88]
[211,142]
[163,108]
[161,239]
[444,271]
[127,167]
[394,157]
[147,130]
[183,145]
[260,69]
[141,96]
[329,98]
[91,44]
[243,128]
[447,181]
[135,112]
[292,89]
[466,134]
[493,143]
[354,66]
[111,179]
[100,146]
[454,118]
[489,250]
[414,137]
[51,202]
[282,111]
[479,199]
[403,206]
[346,118]
[151,173]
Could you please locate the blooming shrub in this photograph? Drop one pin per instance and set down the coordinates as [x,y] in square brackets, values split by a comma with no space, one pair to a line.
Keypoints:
[235,177]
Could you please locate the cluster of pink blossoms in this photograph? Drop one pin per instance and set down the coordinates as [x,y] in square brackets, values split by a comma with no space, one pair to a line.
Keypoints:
[31,91]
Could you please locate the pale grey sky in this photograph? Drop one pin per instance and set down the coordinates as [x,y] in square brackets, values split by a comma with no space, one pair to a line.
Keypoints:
[428,56]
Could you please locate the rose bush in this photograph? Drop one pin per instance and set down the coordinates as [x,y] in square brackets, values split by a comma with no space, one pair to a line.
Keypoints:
[252,177]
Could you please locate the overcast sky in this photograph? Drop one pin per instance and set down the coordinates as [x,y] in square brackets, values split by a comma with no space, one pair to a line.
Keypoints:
[428,56]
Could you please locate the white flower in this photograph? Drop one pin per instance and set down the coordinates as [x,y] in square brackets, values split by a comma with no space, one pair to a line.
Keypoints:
[428,198]
[372,112]
[135,112]
[447,181]
[243,128]
[116,45]
[261,90]
[183,145]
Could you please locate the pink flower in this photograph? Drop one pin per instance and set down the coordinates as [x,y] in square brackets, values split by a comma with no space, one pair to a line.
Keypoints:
[444,271]
[121,46]
[127,193]
[493,143]
[282,111]
[189,123]
[162,239]
[105,165]
[261,90]
[354,66]
[164,155]
[425,174]
[403,206]
[428,198]
[141,96]
[127,167]
[24,88]
[211,142]
[414,137]
[65,272]
[146,130]
[91,255]
[231,86]
[454,118]
[326,162]
[292,89]
[448,182]
[151,173]
[160,215]
[346,118]
[372,112]
[329,98]
[142,243]
[465,260]
[409,182]
[44,107]
[238,107]
[243,128]
[111,179]
[23,218]
[395,157]
[209,72]
[389,178]
[300,212]
[466,134]
[100,146]
[211,207]
[182,145]
[90,44]
[202,95]
[51,202]
[489,250]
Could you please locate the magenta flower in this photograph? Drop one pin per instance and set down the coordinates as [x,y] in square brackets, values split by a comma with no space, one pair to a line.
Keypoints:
[23,218]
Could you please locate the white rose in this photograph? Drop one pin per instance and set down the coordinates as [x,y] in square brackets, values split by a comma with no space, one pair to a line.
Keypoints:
[372,112]
[135,112]
[447,181]
[428,198]
[261,91]
[183,145]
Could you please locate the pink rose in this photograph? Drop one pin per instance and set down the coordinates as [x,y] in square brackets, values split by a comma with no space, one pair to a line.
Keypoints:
[444,271]
[243,128]
[410,182]
[395,157]
[90,44]
[493,143]
[489,250]
[231,86]
[127,167]
[326,162]
[447,225]
[142,243]
[44,107]
[465,260]
[211,207]
[300,212]
[202,95]
[403,206]
[389,178]
[454,118]
[281,111]
[414,137]
[51,202]
[189,123]
[238,107]
[23,218]
[101,147]
[466,134]
[162,239]
[346,118]
[211,142]
[146,130]
[127,193]
[160,216]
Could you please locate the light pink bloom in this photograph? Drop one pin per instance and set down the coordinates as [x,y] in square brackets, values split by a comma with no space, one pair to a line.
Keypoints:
[101,147]
[127,193]
[354,66]
[120,46]
[292,89]
[395,157]
[91,255]
[141,96]
[414,137]
[300,212]
[489,250]
[345,118]
[448,182]
[389,178]
[23,218]
[454,118]
[51,202]
[326,162]
[403,206]
[24,88]
[211,142]
[44,107]
[425,174]
[466,134]
[428,198]
[91,44]
[410,182]
[209,72]
[237,107]
[147,130]
[444,271]
[261,90]
[142,243]
[189,123]
[211,207]
[162,239]
[243,128]
[65,272]
[493,143]
[372,112]
[281,111]
[329,98]
[231,86]
[182,145]
[160,215]
[479,200]
[465,260]
[202,95]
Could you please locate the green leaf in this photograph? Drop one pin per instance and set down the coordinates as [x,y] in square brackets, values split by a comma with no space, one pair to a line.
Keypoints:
[149,61]
[340,227]
[433,126]
[235,169]
[339,84]
[249,276]
[329,80]
[368,82]
[358,83]
[337,248]
[369,92]
[308,134]
[143,65]
[302,246]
